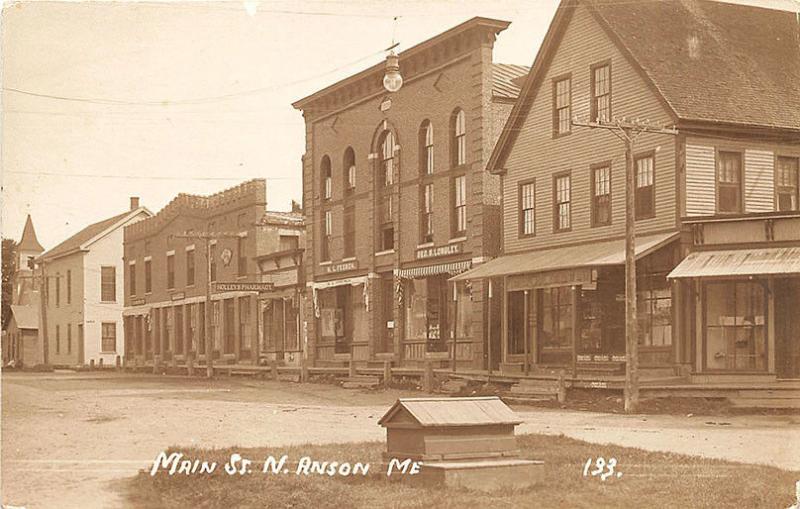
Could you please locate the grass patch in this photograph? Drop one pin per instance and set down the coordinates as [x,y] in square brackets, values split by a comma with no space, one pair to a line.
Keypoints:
[649,480]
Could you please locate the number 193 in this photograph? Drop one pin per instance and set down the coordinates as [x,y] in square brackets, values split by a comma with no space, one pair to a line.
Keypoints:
[602,468]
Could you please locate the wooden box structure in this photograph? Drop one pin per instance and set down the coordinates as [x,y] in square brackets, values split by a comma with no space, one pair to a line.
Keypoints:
[450,429]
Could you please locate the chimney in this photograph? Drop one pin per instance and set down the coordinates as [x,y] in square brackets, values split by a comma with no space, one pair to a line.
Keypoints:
[134,202]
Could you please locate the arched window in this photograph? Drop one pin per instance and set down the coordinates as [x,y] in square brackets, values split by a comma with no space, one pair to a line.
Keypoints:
[387,158]
[384,194]
[458,143]
[349,168]
[426,148]
[325,173]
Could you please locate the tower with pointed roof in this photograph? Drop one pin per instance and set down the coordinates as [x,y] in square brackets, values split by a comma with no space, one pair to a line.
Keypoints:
[28,249]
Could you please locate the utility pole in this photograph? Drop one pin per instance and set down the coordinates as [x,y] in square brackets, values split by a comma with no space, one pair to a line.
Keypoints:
[628,131]
[207,340]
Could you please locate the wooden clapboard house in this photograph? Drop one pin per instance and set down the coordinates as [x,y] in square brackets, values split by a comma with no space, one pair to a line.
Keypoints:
[717,221]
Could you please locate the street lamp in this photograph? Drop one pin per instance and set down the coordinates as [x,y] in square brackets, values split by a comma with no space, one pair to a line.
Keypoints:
[392,80]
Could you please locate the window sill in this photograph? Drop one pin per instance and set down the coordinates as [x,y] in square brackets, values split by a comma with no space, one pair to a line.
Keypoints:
[244,276]
[349,259]
[326,262]
[108,352]
[457,240]
[386,252]
[108,301]
[423,246]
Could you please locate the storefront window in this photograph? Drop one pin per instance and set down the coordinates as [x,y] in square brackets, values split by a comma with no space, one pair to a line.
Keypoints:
[336,316]
[735,326]
[654,310]
[426,312]
[516,323]
[463,312]
[386,321]
[555,325]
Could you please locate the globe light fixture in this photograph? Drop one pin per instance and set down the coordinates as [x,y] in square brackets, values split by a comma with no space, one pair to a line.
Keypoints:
[392,80]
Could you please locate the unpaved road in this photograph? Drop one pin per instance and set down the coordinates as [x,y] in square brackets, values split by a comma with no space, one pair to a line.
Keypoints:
[69,439]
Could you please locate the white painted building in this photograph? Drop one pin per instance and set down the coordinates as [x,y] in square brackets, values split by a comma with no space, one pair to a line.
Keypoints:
[83,293]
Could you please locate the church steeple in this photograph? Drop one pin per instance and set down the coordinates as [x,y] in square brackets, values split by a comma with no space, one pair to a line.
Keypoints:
[28,247]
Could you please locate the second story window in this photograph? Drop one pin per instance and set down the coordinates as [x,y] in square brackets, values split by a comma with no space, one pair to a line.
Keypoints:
[458,128]
[787,183]
[349,231]
[171,271]
[108,284]
[190,267]
[426,214]
[327,181]
[645,197]
[148,276]
[58,290]
[241,256]
[601,92]
[69,287]
[132,278]
[562,213]
[426,148]
[349,166]
[729,182]
[527,208]
[213,262]
[601,195]
[562,106]
[387,159]
[327,235]
[459,220]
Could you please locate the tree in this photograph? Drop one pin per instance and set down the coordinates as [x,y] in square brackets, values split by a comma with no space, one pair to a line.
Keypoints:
[9,268]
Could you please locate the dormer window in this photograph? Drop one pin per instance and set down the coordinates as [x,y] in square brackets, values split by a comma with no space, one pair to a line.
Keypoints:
[327,184]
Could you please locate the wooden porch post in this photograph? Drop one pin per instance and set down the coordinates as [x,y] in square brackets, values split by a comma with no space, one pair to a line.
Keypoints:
[504,324]
[489,332]
[526,332]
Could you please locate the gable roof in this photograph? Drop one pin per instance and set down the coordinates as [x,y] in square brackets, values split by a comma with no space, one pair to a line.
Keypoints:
[505,82]
[29,242]
[76,242]
[707,61]
[714,61]
[26,317]
[433,412]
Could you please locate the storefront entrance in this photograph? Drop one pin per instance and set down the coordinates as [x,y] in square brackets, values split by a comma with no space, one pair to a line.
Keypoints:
[787,327]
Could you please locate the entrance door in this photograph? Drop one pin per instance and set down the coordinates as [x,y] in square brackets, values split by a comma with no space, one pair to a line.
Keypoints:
[787,328]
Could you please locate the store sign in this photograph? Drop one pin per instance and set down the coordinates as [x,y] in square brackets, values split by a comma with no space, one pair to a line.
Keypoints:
[243,287]
[286,278]
[341,267]
[137,302]
[178,296]
[432,252]
[554,278]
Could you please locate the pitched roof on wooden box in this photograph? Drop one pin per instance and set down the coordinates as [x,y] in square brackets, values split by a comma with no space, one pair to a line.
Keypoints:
[708,62]
[439,412]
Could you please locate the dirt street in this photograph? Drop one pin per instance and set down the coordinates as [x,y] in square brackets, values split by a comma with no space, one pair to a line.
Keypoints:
[68,439]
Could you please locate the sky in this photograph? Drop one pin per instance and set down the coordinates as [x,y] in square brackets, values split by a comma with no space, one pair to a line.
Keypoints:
[103,101]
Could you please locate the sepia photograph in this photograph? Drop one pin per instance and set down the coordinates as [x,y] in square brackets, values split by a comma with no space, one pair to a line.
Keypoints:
[432,254]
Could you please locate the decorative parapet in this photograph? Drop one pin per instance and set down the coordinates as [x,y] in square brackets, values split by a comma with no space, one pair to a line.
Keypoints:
[252,192]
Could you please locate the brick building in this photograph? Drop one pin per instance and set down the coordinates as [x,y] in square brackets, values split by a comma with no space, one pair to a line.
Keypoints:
[397,200]
[166,276]
[716,216]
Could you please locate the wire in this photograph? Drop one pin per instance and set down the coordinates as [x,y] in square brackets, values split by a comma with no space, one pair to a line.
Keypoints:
[138,177]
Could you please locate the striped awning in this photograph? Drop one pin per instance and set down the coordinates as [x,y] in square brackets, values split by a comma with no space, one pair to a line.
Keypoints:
[432,270]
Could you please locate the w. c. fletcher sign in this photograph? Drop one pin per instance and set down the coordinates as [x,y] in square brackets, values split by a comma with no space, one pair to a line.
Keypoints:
[432,252]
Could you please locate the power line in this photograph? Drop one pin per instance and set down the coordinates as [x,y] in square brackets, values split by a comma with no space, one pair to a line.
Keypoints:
[136,177]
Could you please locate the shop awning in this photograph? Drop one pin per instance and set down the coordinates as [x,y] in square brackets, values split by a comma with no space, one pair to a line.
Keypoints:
[739,262]
[433,270]
[596,254]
